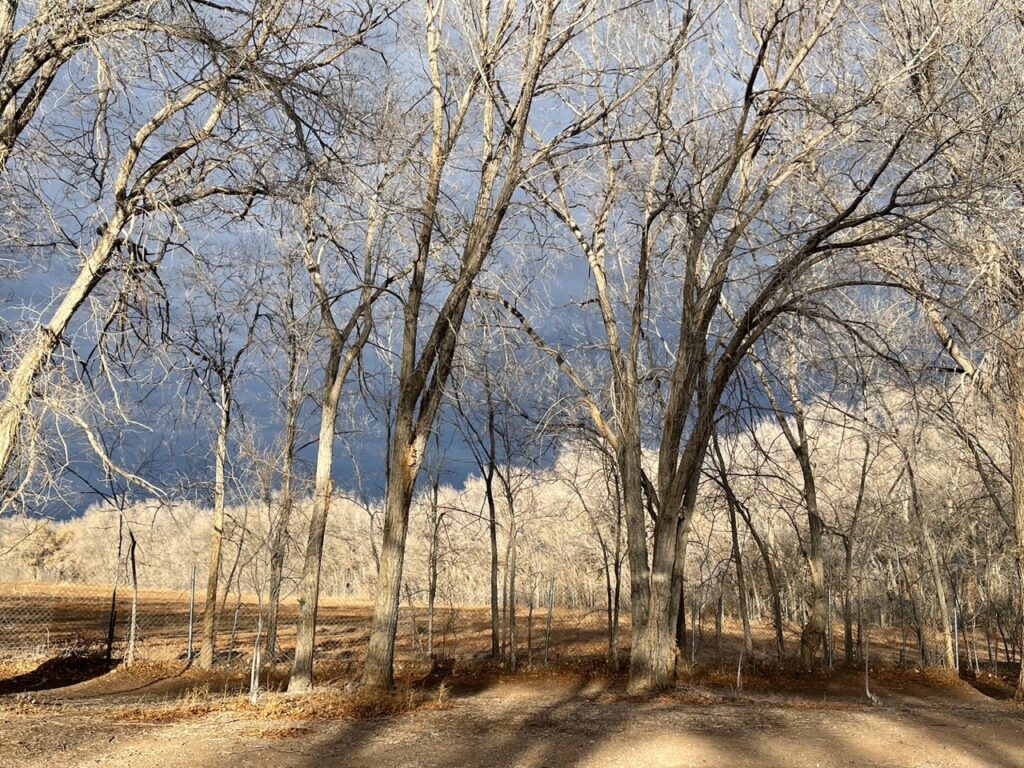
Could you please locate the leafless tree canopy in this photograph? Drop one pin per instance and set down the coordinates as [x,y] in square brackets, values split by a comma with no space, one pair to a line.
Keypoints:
[655,308]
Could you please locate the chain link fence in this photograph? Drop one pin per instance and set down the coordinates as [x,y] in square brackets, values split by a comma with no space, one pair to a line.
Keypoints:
[46,619]
[115,580]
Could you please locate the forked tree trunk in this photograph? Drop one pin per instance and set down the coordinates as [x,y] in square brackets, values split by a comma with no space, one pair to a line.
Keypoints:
[208,651]
[653,658]
[654,655]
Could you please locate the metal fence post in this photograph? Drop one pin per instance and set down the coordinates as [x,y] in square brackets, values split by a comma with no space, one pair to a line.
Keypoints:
[191,615]
[551,608]
[956,636]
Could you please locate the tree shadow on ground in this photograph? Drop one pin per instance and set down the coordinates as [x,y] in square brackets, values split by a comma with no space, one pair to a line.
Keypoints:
[574,726]
[59,672]
[559,719]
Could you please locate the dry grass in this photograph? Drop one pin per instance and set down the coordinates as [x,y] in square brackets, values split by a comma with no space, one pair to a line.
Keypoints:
[195,703]
[321,704]
[18,666]
[286,732]
[335,704]
[26,705]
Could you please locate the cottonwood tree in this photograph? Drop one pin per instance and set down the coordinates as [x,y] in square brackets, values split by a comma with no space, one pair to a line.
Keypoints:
[487,113]
[290,324]
[221,315]
[142,149]
[735,204]
[966,283]
[360,275]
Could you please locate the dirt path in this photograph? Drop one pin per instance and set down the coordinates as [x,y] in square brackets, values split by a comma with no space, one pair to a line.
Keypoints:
[533,724]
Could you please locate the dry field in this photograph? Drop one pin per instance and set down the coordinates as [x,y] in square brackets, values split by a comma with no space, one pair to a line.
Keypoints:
[61,707]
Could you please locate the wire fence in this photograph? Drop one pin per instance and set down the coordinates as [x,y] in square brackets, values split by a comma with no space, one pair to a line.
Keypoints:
[45,619]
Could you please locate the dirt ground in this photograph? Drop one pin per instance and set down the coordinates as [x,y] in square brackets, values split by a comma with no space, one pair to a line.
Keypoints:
[153,717]
[71,709]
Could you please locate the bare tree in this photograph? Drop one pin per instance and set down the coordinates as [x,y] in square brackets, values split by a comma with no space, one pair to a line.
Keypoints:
[347,338]
[517,47]
[218,331]
[34,52]
[291,332]
[161,144]
[719,212]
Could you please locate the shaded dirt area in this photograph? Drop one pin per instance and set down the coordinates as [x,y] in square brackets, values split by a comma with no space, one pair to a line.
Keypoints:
[57,672]
[534,721]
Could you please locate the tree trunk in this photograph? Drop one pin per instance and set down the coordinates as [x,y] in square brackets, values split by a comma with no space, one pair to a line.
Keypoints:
[848,601]
[309,589]
[378,672]
[35,358]
[279,536]
[813,634]
[741,584]
[129,657]
[208,651]
[431,599]
[630,472]
[679,588]
[719,617]
[617,601]
[513,661]
[653,657]
[492,530]
[1015,380]
[934,567]
[773,582]
[814,630]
